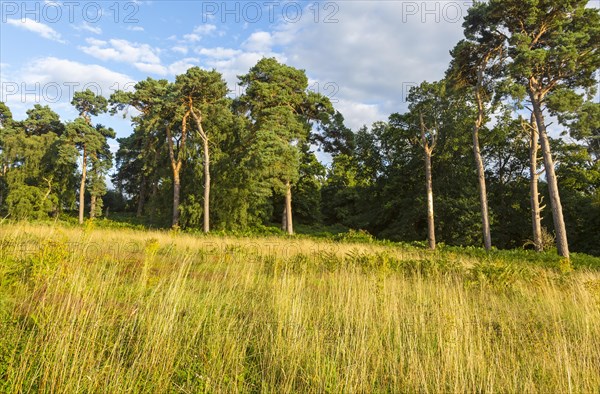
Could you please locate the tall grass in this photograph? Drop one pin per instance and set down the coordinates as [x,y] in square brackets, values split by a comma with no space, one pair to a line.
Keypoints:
[110,311]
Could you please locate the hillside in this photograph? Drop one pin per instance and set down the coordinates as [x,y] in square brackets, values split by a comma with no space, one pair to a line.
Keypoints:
[108,310]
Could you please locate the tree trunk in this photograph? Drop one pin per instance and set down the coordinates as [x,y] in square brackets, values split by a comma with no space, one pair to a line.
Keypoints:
[82,186]
[485,221]
[557,213]
[206,224]
[284,219]
[4,169]
[288,208]
[536,217]
[176,191]
[92,206]
[206,153]
[429,187]
[141,197]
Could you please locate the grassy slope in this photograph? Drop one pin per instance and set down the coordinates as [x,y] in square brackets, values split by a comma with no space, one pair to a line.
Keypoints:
[104,310]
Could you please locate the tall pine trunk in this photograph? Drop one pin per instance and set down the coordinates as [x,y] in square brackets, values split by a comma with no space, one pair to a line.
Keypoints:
[206,153]
[536,217]
[429,188]
[82,186]
[289,227]
[92,206]
[555,204]
[176,166]
[206,224]
[428,150]
[141,197]
[176,192]
[485,221]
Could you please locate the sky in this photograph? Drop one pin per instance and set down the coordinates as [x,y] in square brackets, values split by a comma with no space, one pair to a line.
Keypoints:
[364,55]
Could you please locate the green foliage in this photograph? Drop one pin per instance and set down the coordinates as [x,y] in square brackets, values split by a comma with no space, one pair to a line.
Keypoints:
[27,202]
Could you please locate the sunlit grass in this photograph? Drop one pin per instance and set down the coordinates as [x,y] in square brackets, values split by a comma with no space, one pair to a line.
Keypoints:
[98,310]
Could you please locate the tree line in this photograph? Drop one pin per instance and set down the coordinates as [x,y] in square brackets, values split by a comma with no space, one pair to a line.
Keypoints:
[470,162]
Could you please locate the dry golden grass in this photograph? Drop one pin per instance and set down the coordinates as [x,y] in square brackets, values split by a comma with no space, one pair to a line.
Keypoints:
[96,310]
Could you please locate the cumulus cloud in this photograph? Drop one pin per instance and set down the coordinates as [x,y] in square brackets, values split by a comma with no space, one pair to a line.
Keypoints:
[87,27]
[121,51]
[52,81]
[381,46]
[64,72]
[358,114]
[151,68]
[175,68]
[261,41]
[199,32]
[366,61]
[218,52]
[41,29]
[238,64]
[181,66]
[374,52]
[180,49]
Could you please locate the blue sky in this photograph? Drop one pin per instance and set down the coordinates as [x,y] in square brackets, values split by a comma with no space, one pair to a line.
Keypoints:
[364,55]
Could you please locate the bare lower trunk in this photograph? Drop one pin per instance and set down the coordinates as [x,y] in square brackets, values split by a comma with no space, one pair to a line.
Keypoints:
[536,217]
[4,169]
[141,197]
[82,186]
[284,219]
[92,206]
[485,221]
[429,187]
[206,152]
[206,224]
[288,208]
[557,213]
[176,192]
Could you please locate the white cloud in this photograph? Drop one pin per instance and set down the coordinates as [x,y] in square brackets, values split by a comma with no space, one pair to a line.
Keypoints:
[218,52]
[43,30]
[135,28]
[261,41]
[178,67]
[61,71]
[205,29]
[357,114]
[121,51]
[192,37]
[238,64]
[151,68]
[374,53]
[87,27]
[181,66]
[199,32]
[52,81]
[180,49]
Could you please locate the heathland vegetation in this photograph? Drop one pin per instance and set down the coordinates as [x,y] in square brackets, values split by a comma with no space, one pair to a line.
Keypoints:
[104,310]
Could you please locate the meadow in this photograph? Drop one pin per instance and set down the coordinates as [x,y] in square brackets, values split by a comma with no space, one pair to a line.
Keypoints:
[123,310]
